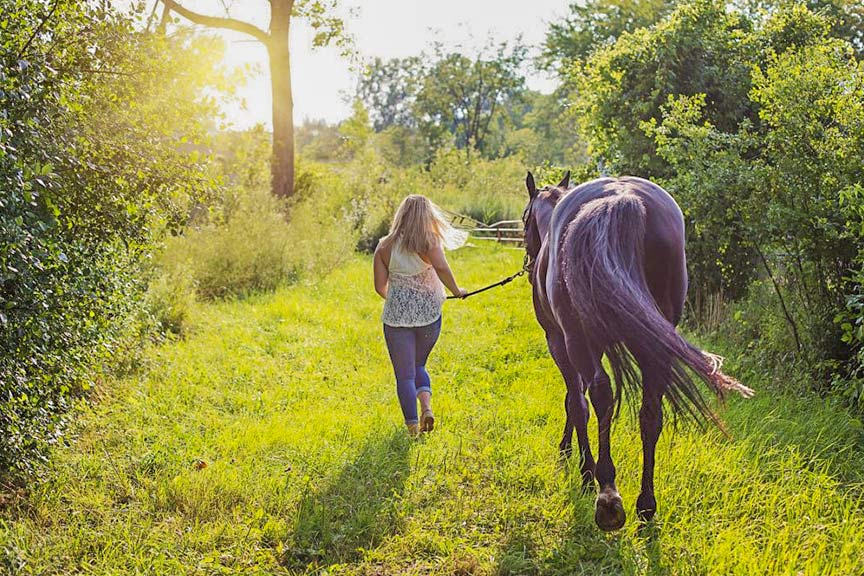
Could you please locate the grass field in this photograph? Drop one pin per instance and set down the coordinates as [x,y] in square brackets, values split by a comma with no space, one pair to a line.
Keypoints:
[270,442]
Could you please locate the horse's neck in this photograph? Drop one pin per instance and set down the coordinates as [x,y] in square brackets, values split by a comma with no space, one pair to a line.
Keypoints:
[543,218]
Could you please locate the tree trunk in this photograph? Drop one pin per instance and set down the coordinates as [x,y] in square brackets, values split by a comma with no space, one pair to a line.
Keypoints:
[278,49]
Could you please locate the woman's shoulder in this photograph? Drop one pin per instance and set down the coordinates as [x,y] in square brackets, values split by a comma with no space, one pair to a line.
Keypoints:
[384,249]
[383,243]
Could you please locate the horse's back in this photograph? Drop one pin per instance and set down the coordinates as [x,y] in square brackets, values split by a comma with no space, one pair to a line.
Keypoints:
[663,216]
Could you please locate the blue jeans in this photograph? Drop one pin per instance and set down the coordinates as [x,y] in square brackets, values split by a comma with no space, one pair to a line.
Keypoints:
[409,348]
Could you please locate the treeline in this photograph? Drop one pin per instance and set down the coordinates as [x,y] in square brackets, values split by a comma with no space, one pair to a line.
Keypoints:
[477,103]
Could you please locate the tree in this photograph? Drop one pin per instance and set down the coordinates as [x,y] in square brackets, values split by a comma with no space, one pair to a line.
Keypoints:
[845,18]
[388,88]
[446,97]
[276,40]
[701,48]
[461,95]
[542,132]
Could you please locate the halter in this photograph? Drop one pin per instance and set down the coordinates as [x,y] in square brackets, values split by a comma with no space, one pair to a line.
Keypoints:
[528,262]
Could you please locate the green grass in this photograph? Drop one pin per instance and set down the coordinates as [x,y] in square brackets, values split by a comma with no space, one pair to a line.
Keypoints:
[288,398]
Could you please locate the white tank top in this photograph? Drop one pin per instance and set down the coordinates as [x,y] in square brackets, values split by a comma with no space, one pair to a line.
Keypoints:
[415,294]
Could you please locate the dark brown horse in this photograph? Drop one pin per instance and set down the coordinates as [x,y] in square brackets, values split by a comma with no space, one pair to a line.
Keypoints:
[609,275]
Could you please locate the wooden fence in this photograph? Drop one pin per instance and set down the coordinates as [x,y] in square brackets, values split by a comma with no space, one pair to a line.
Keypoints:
[510,232]
[504,232]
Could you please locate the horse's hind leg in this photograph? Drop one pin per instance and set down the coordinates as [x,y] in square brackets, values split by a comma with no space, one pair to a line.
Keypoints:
[609,509]
[576,408]
[654,381]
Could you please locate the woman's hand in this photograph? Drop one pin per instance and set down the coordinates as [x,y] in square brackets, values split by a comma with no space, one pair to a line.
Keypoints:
[462,293]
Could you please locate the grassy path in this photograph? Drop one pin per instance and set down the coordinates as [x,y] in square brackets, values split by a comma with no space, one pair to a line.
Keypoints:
[288,399]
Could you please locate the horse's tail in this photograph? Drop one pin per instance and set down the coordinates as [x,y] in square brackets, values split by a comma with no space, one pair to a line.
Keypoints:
[607,286]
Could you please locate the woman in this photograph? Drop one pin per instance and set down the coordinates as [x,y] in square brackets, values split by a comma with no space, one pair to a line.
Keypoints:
[410,268]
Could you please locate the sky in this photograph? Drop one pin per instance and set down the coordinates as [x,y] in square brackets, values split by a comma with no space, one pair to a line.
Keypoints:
[323,81]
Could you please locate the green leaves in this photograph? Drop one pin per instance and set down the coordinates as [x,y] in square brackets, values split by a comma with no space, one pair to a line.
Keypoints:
[91,175]
[698,49]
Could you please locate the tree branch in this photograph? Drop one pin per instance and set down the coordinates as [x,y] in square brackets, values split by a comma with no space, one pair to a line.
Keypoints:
[152,15]
[38,29]
[779,293]
[216,22]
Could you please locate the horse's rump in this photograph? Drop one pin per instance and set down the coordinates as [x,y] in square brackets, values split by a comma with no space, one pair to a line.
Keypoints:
[602,256]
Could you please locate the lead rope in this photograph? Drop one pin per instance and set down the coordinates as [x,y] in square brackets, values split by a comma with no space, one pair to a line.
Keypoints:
[526,267]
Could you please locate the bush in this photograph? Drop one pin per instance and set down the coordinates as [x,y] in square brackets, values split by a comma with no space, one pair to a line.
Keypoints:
[260,244]
[776,199]
[247,253]
[91,173]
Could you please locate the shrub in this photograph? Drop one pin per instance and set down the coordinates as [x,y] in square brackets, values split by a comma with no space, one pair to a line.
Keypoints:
[776,198]
[247,253]
[261,243]
[91,173]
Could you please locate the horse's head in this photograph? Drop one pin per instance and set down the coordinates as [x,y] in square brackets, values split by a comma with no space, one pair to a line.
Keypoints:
[538,211]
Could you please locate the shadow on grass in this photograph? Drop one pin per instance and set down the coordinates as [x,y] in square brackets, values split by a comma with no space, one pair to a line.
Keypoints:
[582,548]
[355,509]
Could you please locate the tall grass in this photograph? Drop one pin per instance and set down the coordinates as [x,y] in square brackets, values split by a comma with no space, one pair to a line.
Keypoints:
[260,245]
[270,442]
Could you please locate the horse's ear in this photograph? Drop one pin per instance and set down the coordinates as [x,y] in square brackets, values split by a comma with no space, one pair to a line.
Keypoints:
[529,183]
[565,182]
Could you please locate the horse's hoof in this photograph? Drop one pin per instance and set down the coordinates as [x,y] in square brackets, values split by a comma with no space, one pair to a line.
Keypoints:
[609,511]
[646,508]
[646,515]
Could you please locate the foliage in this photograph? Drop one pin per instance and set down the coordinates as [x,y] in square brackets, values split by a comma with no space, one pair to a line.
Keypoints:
[318,141]
[851,321]
[270,442]
[448,99]
[327,24]
[223,260]
[713,182]
[779,192]
[543,132]
[169,303]
[249,241]
[700,48]
[243,158]
[844,18]
[596,24]
[388,88]
[259,245]
[355,132]
[423,106]
[90,113]
[461,96]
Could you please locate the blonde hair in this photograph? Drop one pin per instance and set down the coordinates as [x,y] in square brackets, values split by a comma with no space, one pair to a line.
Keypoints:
[419,225]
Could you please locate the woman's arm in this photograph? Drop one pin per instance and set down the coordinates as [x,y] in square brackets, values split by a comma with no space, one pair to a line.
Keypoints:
[442,268]
[382,275]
